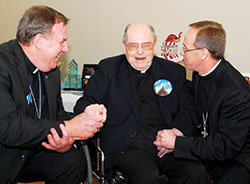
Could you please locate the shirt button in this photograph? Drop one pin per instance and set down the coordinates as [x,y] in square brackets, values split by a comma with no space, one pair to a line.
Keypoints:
[23,157]
[122,152]
[131,136]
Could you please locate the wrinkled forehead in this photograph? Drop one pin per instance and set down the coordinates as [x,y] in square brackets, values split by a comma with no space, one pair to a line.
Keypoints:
[139,33]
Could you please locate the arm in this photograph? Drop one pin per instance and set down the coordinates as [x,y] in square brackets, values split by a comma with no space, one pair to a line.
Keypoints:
[232,122]
[96,89]
[83,126]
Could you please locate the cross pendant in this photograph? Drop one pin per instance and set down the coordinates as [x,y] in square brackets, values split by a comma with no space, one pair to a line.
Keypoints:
[204,132]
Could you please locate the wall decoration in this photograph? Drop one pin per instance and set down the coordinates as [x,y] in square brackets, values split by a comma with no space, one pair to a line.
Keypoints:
[87,72]
[169,48]
[247,77]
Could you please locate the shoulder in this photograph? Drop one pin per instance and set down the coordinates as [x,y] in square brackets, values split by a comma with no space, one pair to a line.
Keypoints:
[170,65]
[230,78]
[168,68]
[8,47]
[8,52]
[113,63]
[114,59]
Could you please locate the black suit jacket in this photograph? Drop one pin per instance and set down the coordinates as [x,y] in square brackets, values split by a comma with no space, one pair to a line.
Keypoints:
[18,132]
[228,121]
[113,86]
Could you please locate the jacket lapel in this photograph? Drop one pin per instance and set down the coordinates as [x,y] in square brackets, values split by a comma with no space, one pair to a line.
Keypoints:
[211,94]
[163,100]
[51,90]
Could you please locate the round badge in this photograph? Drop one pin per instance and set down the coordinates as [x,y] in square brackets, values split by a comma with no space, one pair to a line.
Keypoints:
[162,87]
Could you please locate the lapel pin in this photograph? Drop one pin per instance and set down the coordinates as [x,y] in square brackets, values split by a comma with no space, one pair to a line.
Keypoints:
[162,87]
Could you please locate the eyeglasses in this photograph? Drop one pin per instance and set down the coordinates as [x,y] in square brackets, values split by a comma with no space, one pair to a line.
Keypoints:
[134,46]
[189,50]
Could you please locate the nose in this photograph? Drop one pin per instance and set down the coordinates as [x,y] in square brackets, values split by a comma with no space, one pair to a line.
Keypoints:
[140,50]
[182,52]
[65,48]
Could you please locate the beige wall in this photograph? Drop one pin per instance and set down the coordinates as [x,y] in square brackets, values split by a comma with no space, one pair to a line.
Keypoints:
[96,26]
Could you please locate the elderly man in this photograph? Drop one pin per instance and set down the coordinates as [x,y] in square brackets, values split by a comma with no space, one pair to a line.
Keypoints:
[222,98]
[143,94]
[31,112]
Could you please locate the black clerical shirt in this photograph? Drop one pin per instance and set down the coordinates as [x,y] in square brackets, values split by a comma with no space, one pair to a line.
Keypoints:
[150,118]
[204,99]
[34,83]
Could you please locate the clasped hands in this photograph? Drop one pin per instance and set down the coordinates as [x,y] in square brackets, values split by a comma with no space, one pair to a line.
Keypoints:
[81,127]
[165,140]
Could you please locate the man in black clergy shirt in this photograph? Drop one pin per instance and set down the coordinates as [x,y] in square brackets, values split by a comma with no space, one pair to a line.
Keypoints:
[31,112]
[143,94]
[222,98]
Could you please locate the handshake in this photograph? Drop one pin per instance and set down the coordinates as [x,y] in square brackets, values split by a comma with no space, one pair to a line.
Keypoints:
[81,127]
[86,124]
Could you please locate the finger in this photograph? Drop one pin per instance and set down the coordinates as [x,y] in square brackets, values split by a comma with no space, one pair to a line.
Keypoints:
[66,137]
[51,141]
[177,132]
[161,152]
[55,136]
[47,146]
[156,143]
[64,130]
[104,114]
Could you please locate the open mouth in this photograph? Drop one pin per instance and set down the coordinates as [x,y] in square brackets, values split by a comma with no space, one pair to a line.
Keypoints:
[139,58]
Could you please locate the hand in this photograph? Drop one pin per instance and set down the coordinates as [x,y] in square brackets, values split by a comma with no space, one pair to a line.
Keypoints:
[166,138]
[163,151]
[57,143]
[84,126]
[97,109]
[177,132]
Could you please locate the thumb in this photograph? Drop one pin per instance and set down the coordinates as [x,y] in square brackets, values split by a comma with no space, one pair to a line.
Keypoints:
[177,132]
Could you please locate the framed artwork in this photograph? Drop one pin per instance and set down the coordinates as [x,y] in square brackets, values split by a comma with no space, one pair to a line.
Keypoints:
[87,72]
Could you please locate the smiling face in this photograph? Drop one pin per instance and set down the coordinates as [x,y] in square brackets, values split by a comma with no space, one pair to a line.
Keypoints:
[139,46]
[53,46]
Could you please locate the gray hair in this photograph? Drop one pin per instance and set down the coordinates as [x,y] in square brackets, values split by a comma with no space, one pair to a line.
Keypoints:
[38,19]
[151,28]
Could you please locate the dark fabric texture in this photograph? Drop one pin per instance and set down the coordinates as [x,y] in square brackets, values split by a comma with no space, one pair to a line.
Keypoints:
[20,134]
[225,95]
[135,112]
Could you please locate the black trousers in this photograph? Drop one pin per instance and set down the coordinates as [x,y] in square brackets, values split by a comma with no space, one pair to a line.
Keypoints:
[139,167]
[229,172]
[54,168]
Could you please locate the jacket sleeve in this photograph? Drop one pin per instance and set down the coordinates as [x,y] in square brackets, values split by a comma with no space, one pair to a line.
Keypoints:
[232,123]
[96,89]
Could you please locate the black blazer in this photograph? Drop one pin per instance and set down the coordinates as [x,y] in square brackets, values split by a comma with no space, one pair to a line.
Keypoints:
[113,86]
[18,132]
[228,121]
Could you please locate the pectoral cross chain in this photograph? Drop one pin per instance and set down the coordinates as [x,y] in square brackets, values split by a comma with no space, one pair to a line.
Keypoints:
[204,132]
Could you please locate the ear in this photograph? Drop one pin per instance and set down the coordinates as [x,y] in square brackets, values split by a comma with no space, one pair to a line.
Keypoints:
[38,41]
[155,42]
[204,54]
[124,48]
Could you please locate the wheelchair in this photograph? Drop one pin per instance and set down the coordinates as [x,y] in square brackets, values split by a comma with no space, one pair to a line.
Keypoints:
[104,176]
